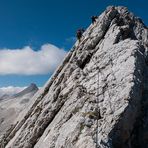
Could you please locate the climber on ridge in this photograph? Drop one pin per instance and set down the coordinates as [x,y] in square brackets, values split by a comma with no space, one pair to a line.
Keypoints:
[80,33]
[93,19]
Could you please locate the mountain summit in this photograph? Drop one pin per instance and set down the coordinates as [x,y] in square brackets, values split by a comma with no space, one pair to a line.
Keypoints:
[30,89]
[98,96]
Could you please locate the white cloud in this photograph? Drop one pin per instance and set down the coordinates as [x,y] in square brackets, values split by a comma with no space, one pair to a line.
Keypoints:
[10,90]
[26,61]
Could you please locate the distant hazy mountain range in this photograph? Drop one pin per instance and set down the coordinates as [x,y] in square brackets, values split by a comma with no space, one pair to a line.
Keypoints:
[10,90]
[12,102]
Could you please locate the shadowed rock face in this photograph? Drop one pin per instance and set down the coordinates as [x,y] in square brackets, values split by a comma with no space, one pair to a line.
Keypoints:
[97,96]
[4,97]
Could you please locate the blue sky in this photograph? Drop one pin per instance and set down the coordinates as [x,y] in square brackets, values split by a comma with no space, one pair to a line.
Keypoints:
[28,25]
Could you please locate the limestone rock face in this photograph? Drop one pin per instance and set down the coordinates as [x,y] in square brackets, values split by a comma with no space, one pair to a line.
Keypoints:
[98,96]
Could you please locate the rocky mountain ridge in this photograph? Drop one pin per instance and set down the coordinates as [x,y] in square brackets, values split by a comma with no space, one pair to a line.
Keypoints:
[31,88]
[98,96]
[12,105]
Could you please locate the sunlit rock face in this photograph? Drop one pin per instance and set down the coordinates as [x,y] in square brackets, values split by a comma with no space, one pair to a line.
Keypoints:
[98,96]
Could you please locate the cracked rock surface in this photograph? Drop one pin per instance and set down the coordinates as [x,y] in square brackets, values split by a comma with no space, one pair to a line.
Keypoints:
[98,96]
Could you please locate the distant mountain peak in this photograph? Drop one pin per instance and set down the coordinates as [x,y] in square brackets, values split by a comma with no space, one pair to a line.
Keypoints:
[30,89]
[11,106]
[33,86]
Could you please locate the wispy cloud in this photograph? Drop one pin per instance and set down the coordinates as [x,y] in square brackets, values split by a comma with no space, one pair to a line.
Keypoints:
[26,61]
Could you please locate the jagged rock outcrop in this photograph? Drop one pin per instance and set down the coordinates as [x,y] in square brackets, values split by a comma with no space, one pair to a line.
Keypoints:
[12,105]
[98,96]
